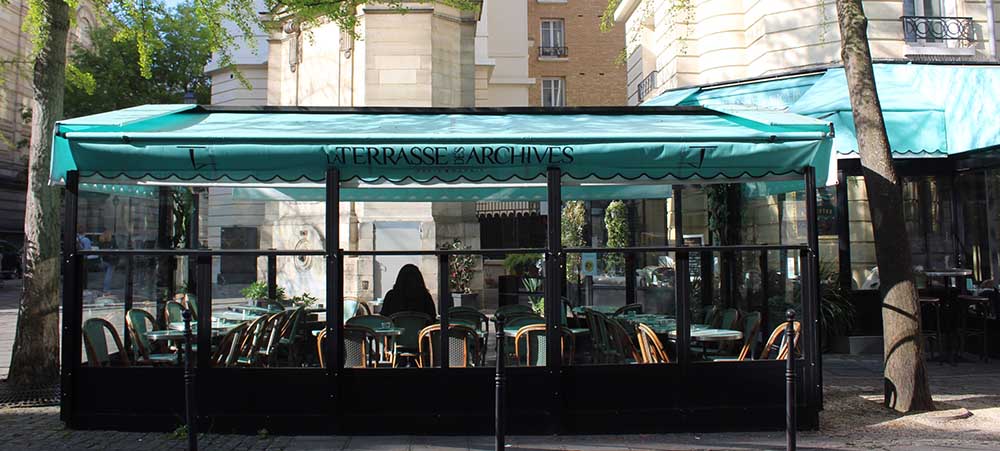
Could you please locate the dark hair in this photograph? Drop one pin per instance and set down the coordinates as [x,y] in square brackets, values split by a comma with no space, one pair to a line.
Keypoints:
[409,280]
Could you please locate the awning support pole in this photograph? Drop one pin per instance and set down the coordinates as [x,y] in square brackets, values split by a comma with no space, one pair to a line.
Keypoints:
[334,290]
[72,313]
[554,279]
[810,307]
[843,232]
[444,304]
[682,291]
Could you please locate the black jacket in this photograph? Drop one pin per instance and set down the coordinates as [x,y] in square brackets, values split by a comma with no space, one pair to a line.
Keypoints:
[406,302]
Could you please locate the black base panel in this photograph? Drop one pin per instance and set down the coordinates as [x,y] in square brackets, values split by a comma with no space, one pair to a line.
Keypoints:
[594,400]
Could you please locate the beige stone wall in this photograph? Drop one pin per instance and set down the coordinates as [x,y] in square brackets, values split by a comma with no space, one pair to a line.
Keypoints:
[227,89]
[15,102]
[591,74]
[720,40]
[502,55]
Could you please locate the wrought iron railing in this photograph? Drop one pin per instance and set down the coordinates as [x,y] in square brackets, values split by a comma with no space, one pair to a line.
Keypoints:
[553,52]
[647,85]
[937,29]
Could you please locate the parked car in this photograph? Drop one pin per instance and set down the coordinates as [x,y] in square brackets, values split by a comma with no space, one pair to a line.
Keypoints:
[10,260]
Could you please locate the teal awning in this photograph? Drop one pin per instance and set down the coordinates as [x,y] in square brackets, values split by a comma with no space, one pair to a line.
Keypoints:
[930,110]
[467,193]
[274,146]
[915,122]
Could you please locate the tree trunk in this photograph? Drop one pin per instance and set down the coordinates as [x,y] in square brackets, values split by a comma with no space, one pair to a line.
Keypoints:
[36,345]
[906,387]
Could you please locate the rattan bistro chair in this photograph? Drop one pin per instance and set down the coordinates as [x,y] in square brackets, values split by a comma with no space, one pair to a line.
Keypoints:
[375,322]
[251,342]
[777,343]
[650,347]
[622,343]
[407,343]
[95,343]
[229,347]
[140,322]
[463,346]
[359,350]
[533,341]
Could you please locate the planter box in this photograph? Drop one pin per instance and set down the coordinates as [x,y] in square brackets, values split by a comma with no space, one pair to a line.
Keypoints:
[466,300]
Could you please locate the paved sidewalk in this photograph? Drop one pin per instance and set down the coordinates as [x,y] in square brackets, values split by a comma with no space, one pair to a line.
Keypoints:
[968,418]
[10,296]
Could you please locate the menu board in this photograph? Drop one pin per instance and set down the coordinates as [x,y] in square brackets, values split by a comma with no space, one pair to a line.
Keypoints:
[694,259]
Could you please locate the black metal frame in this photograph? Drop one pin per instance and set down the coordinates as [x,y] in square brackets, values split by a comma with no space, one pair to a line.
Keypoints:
[550,399]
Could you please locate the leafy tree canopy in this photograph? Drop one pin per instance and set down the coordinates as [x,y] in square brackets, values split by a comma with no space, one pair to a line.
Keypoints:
[106,75]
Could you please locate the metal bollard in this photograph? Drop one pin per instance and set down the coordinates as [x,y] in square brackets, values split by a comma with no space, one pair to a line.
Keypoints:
[500,441]
[791,420]
[189,402]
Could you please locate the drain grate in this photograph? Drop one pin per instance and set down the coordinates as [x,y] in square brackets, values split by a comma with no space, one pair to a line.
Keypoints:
[30,396]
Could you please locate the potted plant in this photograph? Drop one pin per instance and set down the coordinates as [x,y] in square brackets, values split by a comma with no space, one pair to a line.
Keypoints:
[256,294]
[461,269]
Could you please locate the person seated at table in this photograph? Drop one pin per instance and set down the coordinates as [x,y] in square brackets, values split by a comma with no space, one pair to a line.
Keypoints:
[408,294]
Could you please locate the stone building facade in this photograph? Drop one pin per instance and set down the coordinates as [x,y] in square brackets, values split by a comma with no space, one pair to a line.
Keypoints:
[714,41]
[572,61]
[15,108]
[430,56]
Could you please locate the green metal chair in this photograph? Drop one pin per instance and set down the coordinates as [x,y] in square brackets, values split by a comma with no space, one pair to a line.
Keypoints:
[288,336]
[508,310]
[174,312]
[474,318]
[408,343]
[600,341]
[140,322]
[95,343]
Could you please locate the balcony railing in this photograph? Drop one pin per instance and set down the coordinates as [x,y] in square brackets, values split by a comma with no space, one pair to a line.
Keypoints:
[938,29]
[646,86]
[553,52]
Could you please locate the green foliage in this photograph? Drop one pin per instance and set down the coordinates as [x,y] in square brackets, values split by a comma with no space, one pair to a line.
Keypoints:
[460,267]
[108,75]
[521,264]
[532,284]
[574,217]
[305,300]
[616,222]
[257,291]
[608,17]
[181,207]
[180,433]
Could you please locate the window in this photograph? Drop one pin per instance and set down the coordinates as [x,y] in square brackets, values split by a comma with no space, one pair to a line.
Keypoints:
[553,92]
[553,44]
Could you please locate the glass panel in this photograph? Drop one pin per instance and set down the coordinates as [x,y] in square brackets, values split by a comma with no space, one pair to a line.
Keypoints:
[975,245]
[137,308]
[620,306]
